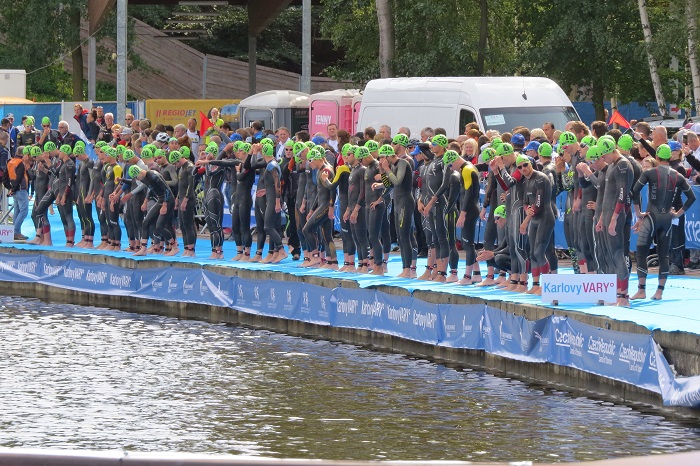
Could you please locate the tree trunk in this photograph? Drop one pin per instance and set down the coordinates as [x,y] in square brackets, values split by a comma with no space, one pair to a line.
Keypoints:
[483,37]
[598,98]
[386,38]
[77,57]
[692,55]
[655,80]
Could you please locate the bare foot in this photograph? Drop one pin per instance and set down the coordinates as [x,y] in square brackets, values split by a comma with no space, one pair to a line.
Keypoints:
[88,246]
[141,252]
[657,296]
[174,251]
[500,280]
[640,294]
[280,256]
[465,281]
[237,257]
[412,274]
[36,240]
[623,302]
[70,245]
[536,290]
[269,258]
[439,278]
[451,278]
[404,274]
[487,282]
[379,270]
[426,275]
[351,269]
[257,258]
[521,289]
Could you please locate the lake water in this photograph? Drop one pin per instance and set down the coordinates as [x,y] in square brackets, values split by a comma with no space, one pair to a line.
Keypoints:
[88,378]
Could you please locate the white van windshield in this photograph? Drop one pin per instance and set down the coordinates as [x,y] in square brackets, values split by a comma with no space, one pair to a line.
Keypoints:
[507,118]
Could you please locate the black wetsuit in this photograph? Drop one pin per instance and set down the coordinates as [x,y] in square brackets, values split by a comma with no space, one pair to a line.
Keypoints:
[550,170]
[341,182]
[356,197]
[470,207]
[665,184]
[83,181]
[319,221]
[401,177]
[185,190]
[514,207]
[41,179]
[159,190]
[376,214]
[586,226]
[273,194]
[242,201]
[64,187]
[538,196]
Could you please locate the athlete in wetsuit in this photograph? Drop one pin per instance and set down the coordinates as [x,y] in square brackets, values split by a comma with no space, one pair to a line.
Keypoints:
[243,202]
[214,177]
[436,206]
[654,225]
[587,220]
[40,175]
[399,173]
[39,214]
[427,158]
[82,184]
[491,232]
[322,212]
[549,168]
[539,220]
[185,202]
[375,209]
[341,181]
[273,205]
[96,189]
[618,183]
[131,194]
[355,212]
[567,176]
[299,151]
[160,213]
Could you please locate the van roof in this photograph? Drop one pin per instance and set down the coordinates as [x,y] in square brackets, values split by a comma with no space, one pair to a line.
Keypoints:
[480,92]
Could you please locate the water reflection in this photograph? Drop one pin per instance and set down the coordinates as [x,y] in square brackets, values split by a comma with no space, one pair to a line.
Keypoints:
[79,377]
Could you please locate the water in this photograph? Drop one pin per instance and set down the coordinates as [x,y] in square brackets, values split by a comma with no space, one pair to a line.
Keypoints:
[87,378]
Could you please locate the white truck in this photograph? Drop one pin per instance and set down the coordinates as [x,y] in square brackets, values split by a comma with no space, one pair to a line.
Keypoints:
[499,103]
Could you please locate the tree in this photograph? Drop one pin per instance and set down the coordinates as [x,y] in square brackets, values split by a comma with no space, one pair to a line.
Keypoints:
[691,16]
[385,21]
[655,80]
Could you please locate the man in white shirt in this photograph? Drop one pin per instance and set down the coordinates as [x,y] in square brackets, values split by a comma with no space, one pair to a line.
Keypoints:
[282,137]
[193,134]
[332,140]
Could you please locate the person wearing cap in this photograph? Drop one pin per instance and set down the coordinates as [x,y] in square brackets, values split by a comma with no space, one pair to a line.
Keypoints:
[185,202]
[385,230]
[158,215]
[355,212]
[539,220]
[398,173]
[654,225]
[29,136]
[44,175]
[413,150]
[424,158]
[17,169]
[491,201]
[531,150]
[512,180]
[500,256]
[678,227]
[319,224]
[518,142]
[64,188]
[290,186]
[131,194]
[375,210]
[242,199]
[435,207]
[341,183]
[567,179]
[272,184]
[299,152]
[112,174]
[618,182]
[81,193]
[48,134]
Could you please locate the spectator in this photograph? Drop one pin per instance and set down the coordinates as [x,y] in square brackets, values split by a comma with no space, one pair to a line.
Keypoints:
[548,129]
[80,116]
[93,129]
[332,131]
[18,168]
[65,136]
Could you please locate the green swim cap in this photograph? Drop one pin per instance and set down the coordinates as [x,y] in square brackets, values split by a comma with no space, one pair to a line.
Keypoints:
[100,144]
[174,156]
[314,155]
[663,152]
[66,149]
[267,141]
[185,152]
[120,149]
[158,153]
[134,171]
[246,146]
[625,142]
[346,147]
[49,146]
[78,150]
[25,150]
[298,148]
[495,142]
[268,150]
[522,159]
[386,150]
[504,149]
[372,145]
[593,153]
[488,154]
[439,140]
[29,121]
[606,146]
[212,150]
[172,140]
[449,157]
[400,140]
[151,147]
[128,155]
[500,211]
[361,153]
[146,153]
[111,152]
[567,138]
[310,144]
[289,143]
[35,151]
[545,150]
[588,140]
[45,121]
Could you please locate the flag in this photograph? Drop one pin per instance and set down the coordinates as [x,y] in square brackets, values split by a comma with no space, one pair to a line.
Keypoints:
[619,119]
[205,125]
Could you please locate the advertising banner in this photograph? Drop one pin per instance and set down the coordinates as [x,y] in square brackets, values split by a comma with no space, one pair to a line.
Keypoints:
[178,111]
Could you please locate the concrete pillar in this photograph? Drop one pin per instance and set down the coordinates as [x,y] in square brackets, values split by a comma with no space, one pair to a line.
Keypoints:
[92,68]
[252,64]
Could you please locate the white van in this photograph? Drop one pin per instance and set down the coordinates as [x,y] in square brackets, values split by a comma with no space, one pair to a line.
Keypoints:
[499,103]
